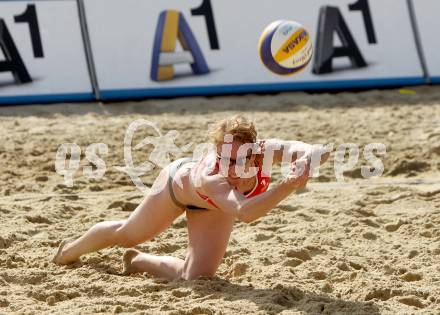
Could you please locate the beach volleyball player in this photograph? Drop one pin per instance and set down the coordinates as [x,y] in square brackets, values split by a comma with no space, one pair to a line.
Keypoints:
[229,183]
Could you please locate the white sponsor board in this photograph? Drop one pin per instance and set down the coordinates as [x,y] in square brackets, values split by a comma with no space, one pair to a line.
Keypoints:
[123,35]
[42,57]
[427,17]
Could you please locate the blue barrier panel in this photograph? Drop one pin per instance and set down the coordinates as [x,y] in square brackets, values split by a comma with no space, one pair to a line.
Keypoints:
[126,50]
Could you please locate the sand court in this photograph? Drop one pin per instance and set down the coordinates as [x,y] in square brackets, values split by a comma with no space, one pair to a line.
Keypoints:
[357,247]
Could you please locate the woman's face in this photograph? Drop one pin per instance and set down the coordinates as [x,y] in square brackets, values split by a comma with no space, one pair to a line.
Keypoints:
[235,159]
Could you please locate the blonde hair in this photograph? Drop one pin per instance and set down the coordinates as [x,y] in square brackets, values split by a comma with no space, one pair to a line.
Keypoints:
[239,127]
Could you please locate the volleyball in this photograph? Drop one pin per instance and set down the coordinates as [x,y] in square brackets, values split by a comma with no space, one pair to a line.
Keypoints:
[285,47]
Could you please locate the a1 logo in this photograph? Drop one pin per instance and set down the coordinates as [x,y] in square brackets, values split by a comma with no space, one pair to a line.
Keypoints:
[172,27]
[330,22]
[13,61]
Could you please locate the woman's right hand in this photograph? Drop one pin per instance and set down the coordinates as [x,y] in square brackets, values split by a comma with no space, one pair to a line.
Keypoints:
[299,174]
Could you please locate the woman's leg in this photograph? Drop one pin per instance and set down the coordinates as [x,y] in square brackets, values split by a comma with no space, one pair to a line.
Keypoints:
[156,212]
[208,236]
[156,266]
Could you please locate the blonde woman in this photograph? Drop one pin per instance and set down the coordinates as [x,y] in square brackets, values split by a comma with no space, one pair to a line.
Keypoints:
[227,184]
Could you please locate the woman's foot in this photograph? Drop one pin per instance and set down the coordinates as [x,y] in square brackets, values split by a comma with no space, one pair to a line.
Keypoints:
[59,258]
[127,260]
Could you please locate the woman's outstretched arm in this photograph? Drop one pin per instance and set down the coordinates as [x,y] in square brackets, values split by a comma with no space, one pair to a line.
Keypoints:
[250,209]
[276,151]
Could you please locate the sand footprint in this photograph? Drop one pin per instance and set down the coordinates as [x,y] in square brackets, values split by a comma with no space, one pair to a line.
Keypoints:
[413,253]
[370,222]
[369,236]
[4,242]
[263,237]
[297,257]
[238,270]
[356,265]
[301,254]
[179,293]
[200,310]
[343,266]
[294,262]
[392,227]
[124,205]
[378,293]
[410,277]
[38,219]
[318,275]
[4,303]
[411,301]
